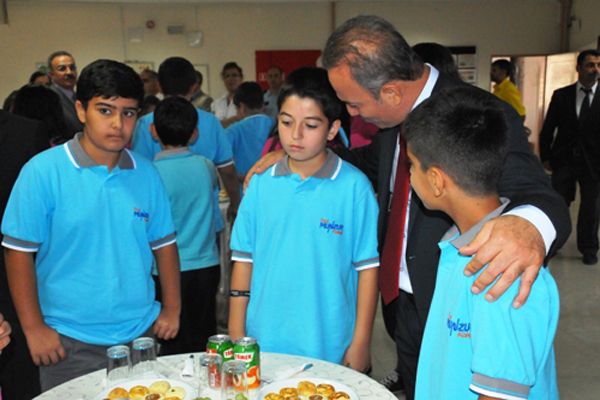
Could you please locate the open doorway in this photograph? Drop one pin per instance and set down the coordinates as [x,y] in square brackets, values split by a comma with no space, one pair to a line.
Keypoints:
[537,77]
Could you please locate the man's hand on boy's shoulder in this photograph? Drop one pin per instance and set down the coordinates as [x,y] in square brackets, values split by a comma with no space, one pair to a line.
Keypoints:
[166,325]
[263,164]
[44,345]
[512,247]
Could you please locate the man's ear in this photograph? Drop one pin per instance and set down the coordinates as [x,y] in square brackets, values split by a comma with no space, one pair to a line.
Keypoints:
[80,111]
[391,93]
[333,131]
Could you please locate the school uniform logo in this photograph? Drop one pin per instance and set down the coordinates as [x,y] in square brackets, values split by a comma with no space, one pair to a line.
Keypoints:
[141,214]
[331,226]
[458,328]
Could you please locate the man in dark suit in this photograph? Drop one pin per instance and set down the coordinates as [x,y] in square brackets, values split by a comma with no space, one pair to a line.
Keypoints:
[20,139]
[573,154]
[63,74]
[380,78]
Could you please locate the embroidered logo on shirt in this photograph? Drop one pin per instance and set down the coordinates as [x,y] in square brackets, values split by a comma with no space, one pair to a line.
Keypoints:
[461,329]
[331,226]
[141,214]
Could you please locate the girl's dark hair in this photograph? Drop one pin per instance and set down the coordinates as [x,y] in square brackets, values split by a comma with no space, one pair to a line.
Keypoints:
[42,104]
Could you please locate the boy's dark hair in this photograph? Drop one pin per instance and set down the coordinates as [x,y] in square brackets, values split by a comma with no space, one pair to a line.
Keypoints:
[174,120]
[439,56]
[231,65]
[590,52]
[107,79]
[36,75]
[249,93]
[463,132]
[312,83]
[176,76]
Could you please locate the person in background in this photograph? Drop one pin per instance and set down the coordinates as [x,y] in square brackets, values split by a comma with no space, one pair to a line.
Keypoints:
[501,73]
[42,104]
[439,56]
[5,331]
[224,107]
[200,99]
[190,180]
[39,78]
[570,149]
[66,212]
[148,105]
[329,280]
[274,81]
[21,139]
[63,74]
[248,135]
[178,78]
[151,84]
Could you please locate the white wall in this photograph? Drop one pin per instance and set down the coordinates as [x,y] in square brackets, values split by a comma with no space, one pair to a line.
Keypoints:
[234,31]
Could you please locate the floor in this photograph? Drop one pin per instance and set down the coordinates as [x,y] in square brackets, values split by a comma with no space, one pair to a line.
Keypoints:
[577,343]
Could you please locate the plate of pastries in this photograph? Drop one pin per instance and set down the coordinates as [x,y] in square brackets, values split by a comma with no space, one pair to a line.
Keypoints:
[148,389]
[307,389]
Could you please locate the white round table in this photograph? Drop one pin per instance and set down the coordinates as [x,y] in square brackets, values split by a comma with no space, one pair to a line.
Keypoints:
[87,387]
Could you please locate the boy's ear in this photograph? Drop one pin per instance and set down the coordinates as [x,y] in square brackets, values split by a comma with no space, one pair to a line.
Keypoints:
[154,133]
[194,136]
[437,181]
[333,131]
[80,111]
[391,93]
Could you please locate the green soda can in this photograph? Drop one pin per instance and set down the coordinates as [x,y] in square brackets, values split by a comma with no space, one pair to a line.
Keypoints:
[220,344]
[246,349]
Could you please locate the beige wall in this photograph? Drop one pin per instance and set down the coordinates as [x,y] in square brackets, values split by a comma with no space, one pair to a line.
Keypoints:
[235,31]
[585,28]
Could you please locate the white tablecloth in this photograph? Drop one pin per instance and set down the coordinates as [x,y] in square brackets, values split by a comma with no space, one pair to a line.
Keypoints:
[86,387]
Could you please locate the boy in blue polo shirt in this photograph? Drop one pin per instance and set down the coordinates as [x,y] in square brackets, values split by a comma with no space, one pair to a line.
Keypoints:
[190,180]
[304,242]
[248,136]
[82,227]
[472,348]
[177,77]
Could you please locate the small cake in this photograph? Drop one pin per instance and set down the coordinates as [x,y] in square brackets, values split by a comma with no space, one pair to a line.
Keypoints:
[306,388]
[288,392]
[138,392]
[339,396]
[118,393]
[154,396]
[176,391]
[316,397]
[160,387]
[274,396]
[325,389]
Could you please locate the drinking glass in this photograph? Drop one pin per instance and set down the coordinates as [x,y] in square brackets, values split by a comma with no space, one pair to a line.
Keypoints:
[209,375]
[234,382]
[119,363]
[144,356]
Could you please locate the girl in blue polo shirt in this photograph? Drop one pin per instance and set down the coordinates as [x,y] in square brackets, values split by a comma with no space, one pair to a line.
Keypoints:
[304,242]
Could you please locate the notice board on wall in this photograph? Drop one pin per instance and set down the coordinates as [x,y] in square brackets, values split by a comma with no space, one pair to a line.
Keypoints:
[287,60]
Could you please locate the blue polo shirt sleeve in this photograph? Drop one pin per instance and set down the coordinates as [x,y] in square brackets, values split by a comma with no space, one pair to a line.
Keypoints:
[27,217]
[511,346]
[142,142]
[212,136]
[364,246]
[244,228]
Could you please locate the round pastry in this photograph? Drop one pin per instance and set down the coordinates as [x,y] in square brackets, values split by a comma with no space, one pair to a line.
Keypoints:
[176,391]
[316,397]
[160,387]
[274,396]
[292,398]
[173,398]
[138,392]
[288,391]
[118,393]
[154,396]
[339,396]
[325,389]
[306,388]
